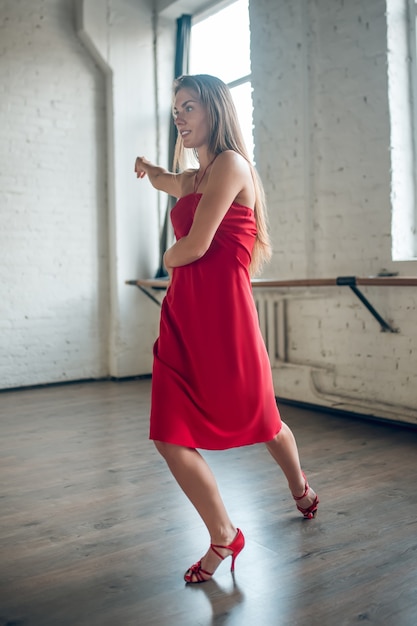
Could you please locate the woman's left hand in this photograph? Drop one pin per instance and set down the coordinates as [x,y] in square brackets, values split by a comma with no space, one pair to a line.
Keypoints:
[168,267]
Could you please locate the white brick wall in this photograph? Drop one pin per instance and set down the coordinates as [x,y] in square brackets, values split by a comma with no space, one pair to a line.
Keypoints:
[53,228]
[322,135]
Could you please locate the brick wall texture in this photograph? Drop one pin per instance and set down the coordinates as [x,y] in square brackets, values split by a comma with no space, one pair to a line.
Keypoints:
[53,233]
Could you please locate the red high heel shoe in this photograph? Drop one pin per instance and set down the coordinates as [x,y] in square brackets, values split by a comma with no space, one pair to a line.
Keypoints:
[311,511]
[196,571]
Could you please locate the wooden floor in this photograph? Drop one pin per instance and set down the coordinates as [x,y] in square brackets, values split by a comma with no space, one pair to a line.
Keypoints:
[95,532]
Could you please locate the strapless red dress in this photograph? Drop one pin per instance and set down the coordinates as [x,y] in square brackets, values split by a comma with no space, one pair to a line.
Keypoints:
[211,383]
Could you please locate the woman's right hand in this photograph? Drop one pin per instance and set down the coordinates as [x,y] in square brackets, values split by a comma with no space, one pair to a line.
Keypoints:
[159,177]
[140,167]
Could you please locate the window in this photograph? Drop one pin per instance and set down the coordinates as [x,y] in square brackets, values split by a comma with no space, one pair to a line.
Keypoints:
[413,59]
[220,45]
[402,92]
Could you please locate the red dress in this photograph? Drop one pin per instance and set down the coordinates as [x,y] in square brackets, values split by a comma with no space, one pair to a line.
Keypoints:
[211,382]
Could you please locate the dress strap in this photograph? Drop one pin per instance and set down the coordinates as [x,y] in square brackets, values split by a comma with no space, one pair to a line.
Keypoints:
[197,182]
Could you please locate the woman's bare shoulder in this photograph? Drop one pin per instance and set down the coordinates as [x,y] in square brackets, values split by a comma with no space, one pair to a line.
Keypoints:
[231,159]
[235,172]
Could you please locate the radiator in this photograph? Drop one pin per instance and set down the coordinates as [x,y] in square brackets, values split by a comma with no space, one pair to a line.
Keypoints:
[272,311]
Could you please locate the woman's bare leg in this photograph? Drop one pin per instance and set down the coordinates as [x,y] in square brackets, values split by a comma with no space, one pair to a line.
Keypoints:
[283,449]
[196,479]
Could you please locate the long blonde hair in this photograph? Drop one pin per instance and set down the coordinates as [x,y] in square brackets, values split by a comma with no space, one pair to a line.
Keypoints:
[226,134]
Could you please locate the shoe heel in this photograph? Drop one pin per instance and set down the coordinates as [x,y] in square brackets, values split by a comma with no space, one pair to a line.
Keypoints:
[237,547]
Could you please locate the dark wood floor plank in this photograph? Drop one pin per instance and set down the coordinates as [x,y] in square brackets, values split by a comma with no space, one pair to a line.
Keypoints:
[94,530]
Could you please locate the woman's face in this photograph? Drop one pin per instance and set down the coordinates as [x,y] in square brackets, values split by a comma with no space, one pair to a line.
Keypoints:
[190,118]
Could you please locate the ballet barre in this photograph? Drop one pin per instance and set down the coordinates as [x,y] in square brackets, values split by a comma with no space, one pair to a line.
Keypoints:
[147,285]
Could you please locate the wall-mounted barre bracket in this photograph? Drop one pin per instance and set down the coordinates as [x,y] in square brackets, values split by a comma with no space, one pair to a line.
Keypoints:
[149,294]
[146,285]
[350,281]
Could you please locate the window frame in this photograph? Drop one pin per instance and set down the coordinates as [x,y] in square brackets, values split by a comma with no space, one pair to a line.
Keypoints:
[200,16]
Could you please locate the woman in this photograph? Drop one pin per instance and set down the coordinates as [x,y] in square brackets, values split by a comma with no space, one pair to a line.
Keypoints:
[211,383]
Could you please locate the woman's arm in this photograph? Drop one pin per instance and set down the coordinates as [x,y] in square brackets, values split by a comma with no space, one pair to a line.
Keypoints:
[160,178]
[229,175]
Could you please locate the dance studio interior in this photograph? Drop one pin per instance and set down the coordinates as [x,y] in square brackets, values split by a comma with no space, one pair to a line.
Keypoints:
[94,530]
